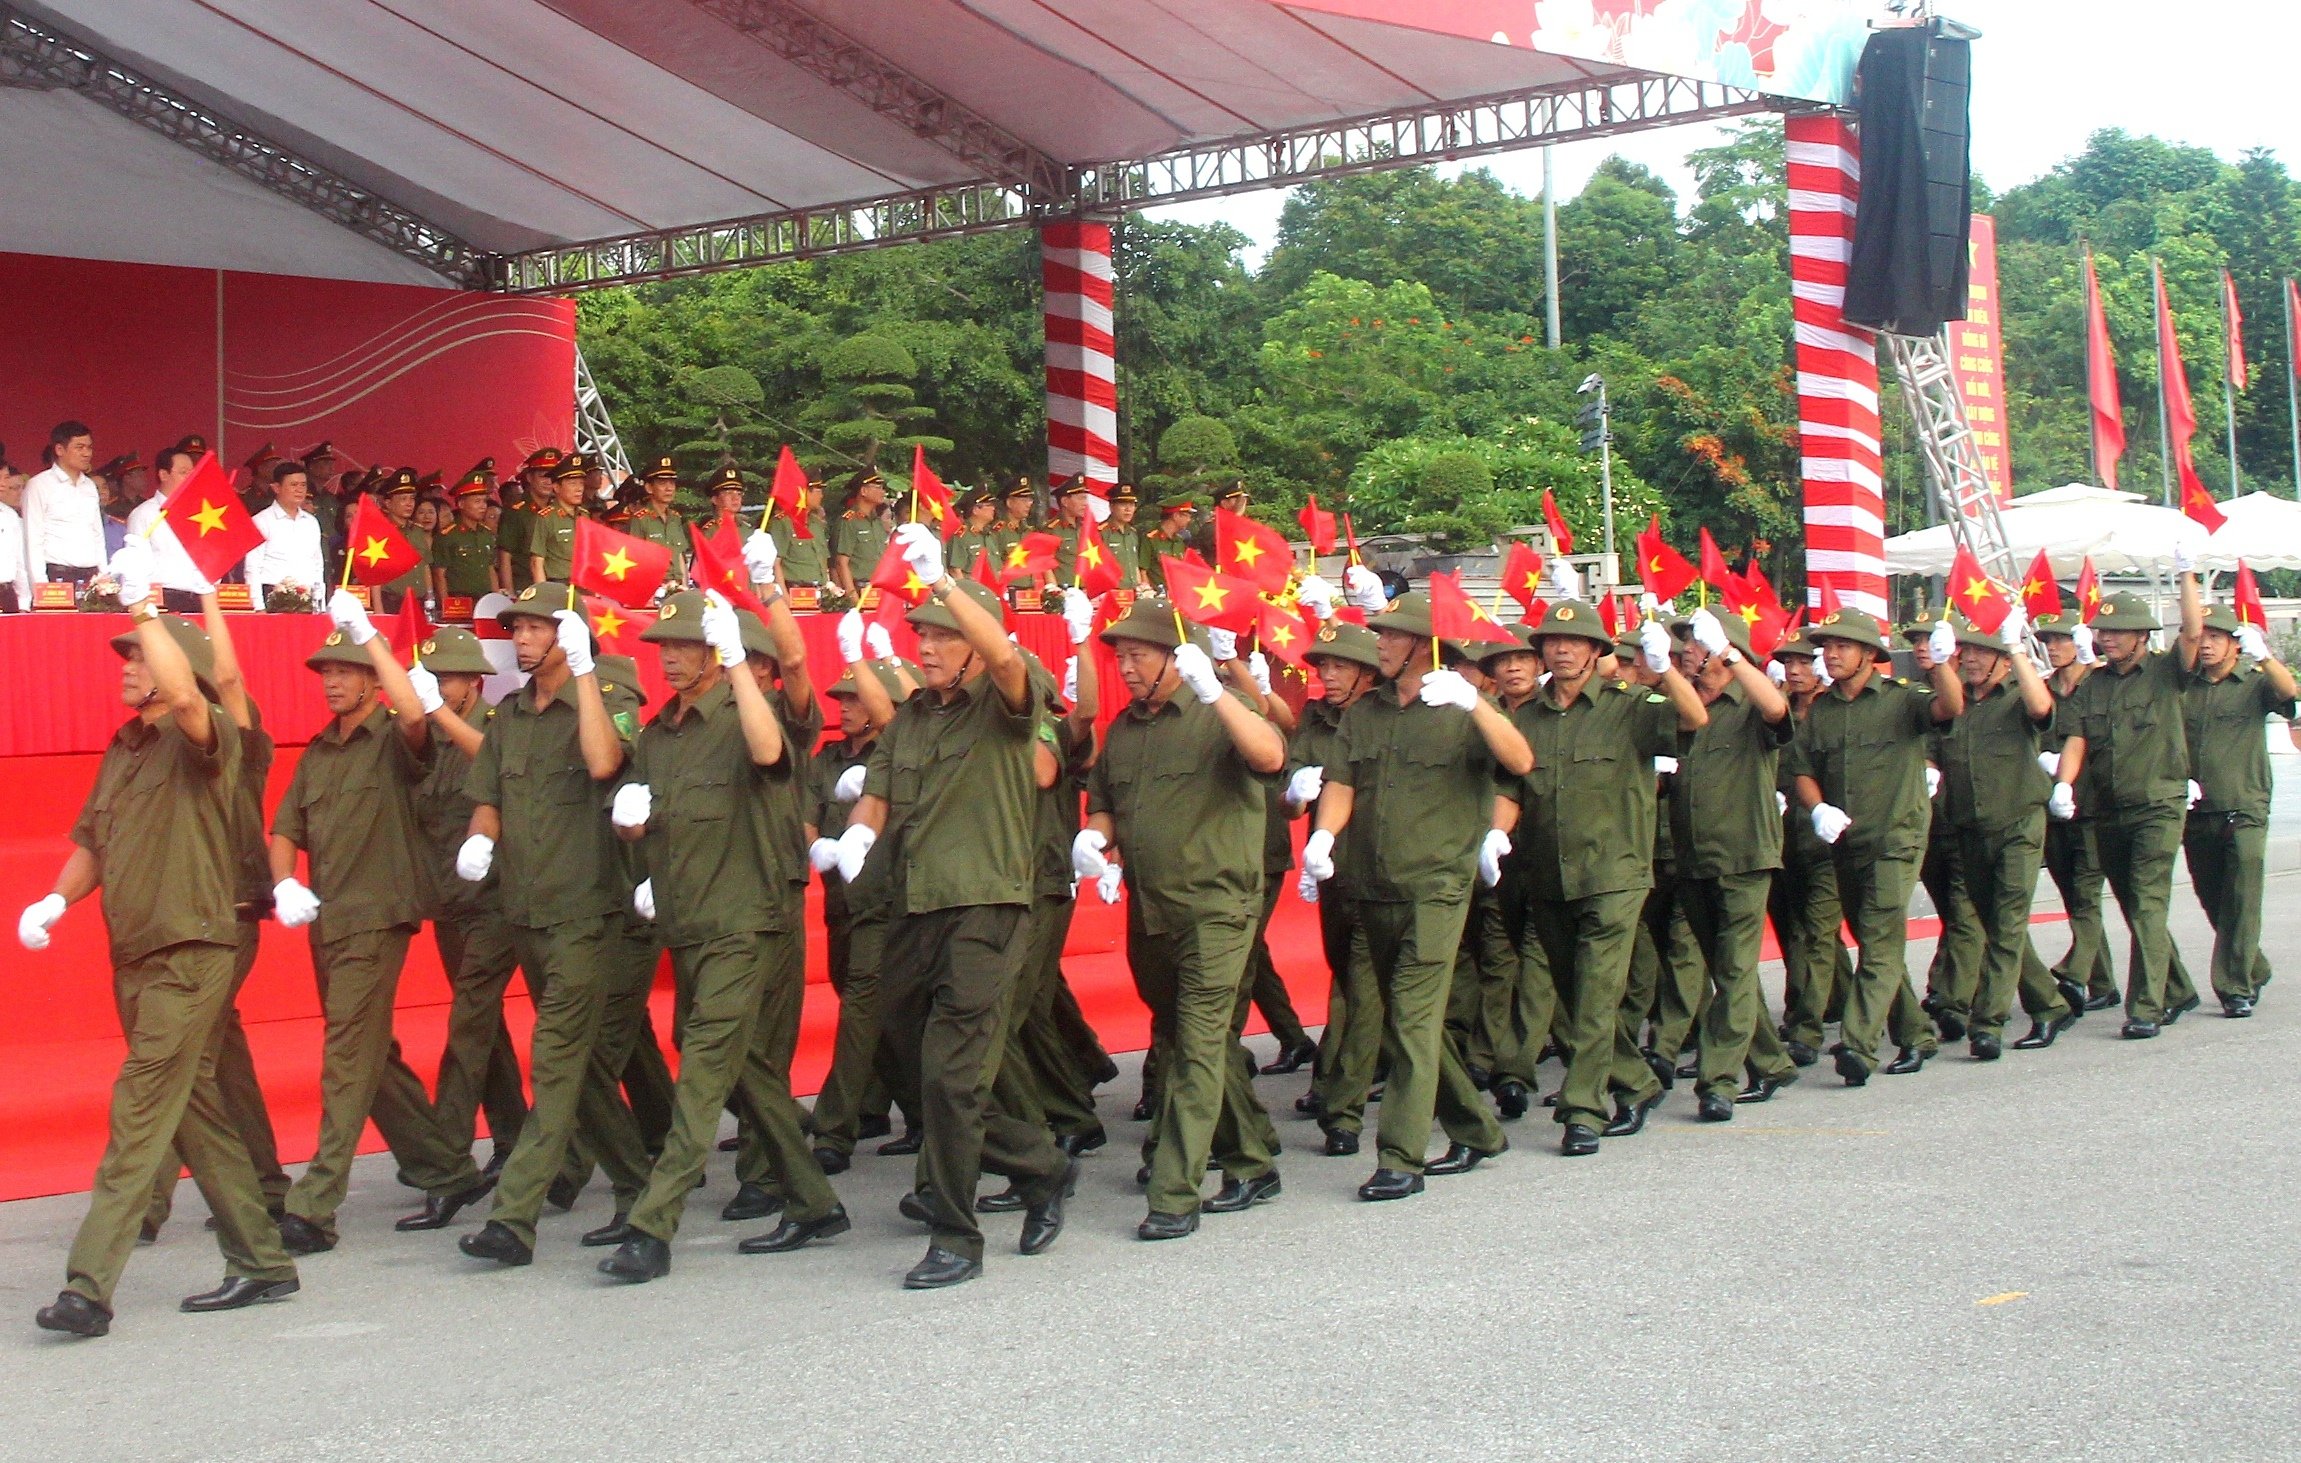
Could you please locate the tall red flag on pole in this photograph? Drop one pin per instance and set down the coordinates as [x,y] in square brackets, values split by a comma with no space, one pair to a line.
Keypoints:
[1557,523]
[2245,600]
[2180,416]
[1317,525]
[2233,366]
[2040,591]
[2101,384]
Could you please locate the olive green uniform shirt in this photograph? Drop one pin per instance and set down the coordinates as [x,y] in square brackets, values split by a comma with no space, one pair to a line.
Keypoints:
[2228,745]
[964,549]
[1317,742]
[1189,812]
[443,805]
[515,535]
[867,895]
[670,531]
[710,841]
[254,881]
[416,581]
[960,785]
[1126,548]
[554,538]
[558,858]
[861,541]
[467,556]
[1588,811]
[1868,753]
[1990,779]
[352,809]
[1723,815]
[1156,548]
[804,560]
[1423,788]
[2136,750]
[159,823]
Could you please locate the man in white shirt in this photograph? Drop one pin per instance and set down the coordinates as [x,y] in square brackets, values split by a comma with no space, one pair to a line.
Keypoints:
[64,510]
[15,567]
[180,584]
[290,553]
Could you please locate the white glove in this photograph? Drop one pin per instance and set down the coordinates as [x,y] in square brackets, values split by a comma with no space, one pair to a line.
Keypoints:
[2050,762]
[1107,884]
[1197,672]
[1078,614]
[475,858]
[2081,636]
[1303,788]
[1448,688]
[1932,781]
[1564,579]
[37,920]
[1364,587]
[2182,562]
[722,631]
[351,617]
[922,551]
[1776,674]
[426,687]
[131,569]
[1781,801]
[849,787]
[1318,855]
[1490,854]
[1665,765]
[2251,643]
[1942,643]
[851,636]
[1222,644]
[878,641]
[1654,646]
[643,900]
[1830,824]
[2016,625]
[1316,597]
[1306,887]
[1708,633]
[1258,666]
[634,803]
[1087,861]
[293,905]
[2196,794]
[759,556]
[855,843]
[1071,680]
[575,640]
[2062,804]
[823,853]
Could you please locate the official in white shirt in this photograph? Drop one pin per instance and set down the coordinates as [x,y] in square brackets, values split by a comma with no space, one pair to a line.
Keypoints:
[15,564]
[64,510]
[173,574]
[290,553]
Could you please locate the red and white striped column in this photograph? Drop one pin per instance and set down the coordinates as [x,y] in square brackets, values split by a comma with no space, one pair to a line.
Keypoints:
[1082,370]
[1840,443]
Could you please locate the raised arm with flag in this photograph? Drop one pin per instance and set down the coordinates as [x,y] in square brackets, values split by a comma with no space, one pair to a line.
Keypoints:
[210,522]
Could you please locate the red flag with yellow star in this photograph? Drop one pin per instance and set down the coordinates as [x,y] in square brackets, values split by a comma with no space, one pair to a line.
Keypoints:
[931,502]
[895,576]
[1522,575]
[1251,551]
[1556,522]
[1212,598]
[1975,595]
[2245,600]
[209,520]
[1456,616]
[715,568]
[615,628]
[1662,569]
[1284,634]
[789,494]
[1094,571]
[2040,591]
[1751,595]
[2088,591]
[410,628]
[375,551]
[1317,525]
[1032,556]
[627,570]
[1830,603]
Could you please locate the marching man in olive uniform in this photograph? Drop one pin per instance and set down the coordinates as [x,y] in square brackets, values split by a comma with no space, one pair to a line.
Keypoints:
[2070,854]
[1179,795]
[156,838]
[951,786]
[2239,683]
[1412,794]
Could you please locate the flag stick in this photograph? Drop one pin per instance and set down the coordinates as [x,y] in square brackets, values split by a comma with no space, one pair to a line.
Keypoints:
[2293,387]
[2231,345]
[2164,428]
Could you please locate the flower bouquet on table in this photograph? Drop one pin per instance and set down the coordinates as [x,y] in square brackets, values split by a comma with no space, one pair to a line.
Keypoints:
[290,598]
[101,596]
[832,602]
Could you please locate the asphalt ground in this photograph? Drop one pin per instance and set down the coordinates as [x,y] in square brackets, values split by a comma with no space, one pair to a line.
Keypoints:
[2086,1252]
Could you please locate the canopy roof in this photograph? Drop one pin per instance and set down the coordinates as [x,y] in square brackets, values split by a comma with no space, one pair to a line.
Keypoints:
[2117,530]
[507,126]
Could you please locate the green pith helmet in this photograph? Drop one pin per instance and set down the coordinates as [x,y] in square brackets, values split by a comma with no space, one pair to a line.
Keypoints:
[621,672]
[1859,626]
[454,651]
[2222,618]
[1920,626]
[681,618]
[932,614]
[2125,612]
[543,600]
[1341,640]
[189,638]
[1574,619]
[1968,633]
[1151,621]
[2060,622]
[883,672]
[1494,650]
[338,649]
[1799,644]
[756,639]
[1409,615]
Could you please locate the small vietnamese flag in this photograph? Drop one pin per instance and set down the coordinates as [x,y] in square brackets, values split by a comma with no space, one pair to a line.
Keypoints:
[1210,598]
[1557,522]
[1251,550]
[1975,594]
[789,493]
[410,628]
[1284,634]
[627,570]
[1662,569]
[210,522]
[616,627]
[1608,619]
[1522,575]
[1033,556]
[1714,570]
[1317,525]
[1094,571]
[931,502]
[1829,603]
[1455,616]
[716,569]
[2245,600]
[2040,592]
[985,575]
[895,576]
[376,552]
[1350,537]
[2088,591]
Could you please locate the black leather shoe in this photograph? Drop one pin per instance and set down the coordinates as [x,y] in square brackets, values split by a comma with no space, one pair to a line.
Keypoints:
[2138,1030]
[1390,1183]
[1715,1107]
[1044,1220]
[1309,1105]
[496,1242]
[2072,995]
[2101,1002]
[1142,1177]
[1950,1024]
[1007,1201]
[438,1213]
[1629,1117]
[831,1160]
[1075,1144]
[1293,1059]
[1374,1094]
[2237,1008]
[1107,1072]
[1853,1069]
[792,1233]
[2043,1034]
[239,1291]
[1460,1158]
[1663,1072]
[911,1142]
[751,1201]
[1691,1068]
[638,1259]
[1156,1226]
[147,1233]
[1340,1142]
[616,1231]
[1985,1048]
[1512,1099]
[1236,1196]
[74,1314]
[562,1194]
[2179,1009]
[299,1236]
[1909,1059]
[1142,1109]
[1578,1142]
[873,1127]
[1800,1054]
[729,1145]
[1549,1099]
[1764,1088]
[941,1267]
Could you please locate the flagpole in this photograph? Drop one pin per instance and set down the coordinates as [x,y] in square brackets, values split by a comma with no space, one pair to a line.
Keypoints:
[2293,387]
[2092,424]
[2163,310]
[2230,348]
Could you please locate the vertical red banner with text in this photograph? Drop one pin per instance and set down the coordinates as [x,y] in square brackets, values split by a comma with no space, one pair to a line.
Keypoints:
[1977,360]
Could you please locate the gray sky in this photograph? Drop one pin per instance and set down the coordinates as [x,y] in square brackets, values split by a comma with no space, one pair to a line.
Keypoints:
[2217,73]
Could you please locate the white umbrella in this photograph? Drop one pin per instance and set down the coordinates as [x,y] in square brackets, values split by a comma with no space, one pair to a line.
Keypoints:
[2119,532]
[2264,529]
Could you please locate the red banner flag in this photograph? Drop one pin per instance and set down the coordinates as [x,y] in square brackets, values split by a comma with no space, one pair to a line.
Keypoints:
[2245,600]
[1350,537]
[1522,575]
[2180,415]
[410,628]
[1714,570]
[1033,556]
[1559,532]
[1211,598]
[1662,569]
[716,569]
[2040,592]
[1609,619]
[1317,526]
[895,576]
[789,494]
[1284,634]
[2088,591]
[209,521]
[1455,616]
[627,570]
[1829,603]
[616,628]
[931,502]
[2101,384]
[1750,595]
[1975,595]
[1094,571]
[1250,550]
[375,551]
[2233,324]
[985,575]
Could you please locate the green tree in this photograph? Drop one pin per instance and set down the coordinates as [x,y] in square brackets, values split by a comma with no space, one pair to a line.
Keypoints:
[871,406]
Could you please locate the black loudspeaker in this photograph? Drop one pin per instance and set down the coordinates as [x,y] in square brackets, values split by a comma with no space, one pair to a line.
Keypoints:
[1908,273]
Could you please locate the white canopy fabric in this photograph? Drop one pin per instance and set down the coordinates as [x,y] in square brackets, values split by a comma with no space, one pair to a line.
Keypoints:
[2118,531]
[2264,529]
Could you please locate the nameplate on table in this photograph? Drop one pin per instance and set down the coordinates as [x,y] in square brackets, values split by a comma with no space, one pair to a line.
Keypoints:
[48,594]
[455,609]
[805,598]
[234,597]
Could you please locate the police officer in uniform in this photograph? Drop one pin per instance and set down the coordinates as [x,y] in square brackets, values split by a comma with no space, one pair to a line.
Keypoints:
[551,551]
[801,544]
[2070,855]
[1169,539]
[1803,904]
[515,528]
[860,535]
[398,503]
[977,507]
[657,520]
[2238,684]
[463,552]
[1233,498]
[1017,509]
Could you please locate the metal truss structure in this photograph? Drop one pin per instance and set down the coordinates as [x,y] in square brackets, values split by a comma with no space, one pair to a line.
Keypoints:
[1952,462]
[35,56]
[594,429]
